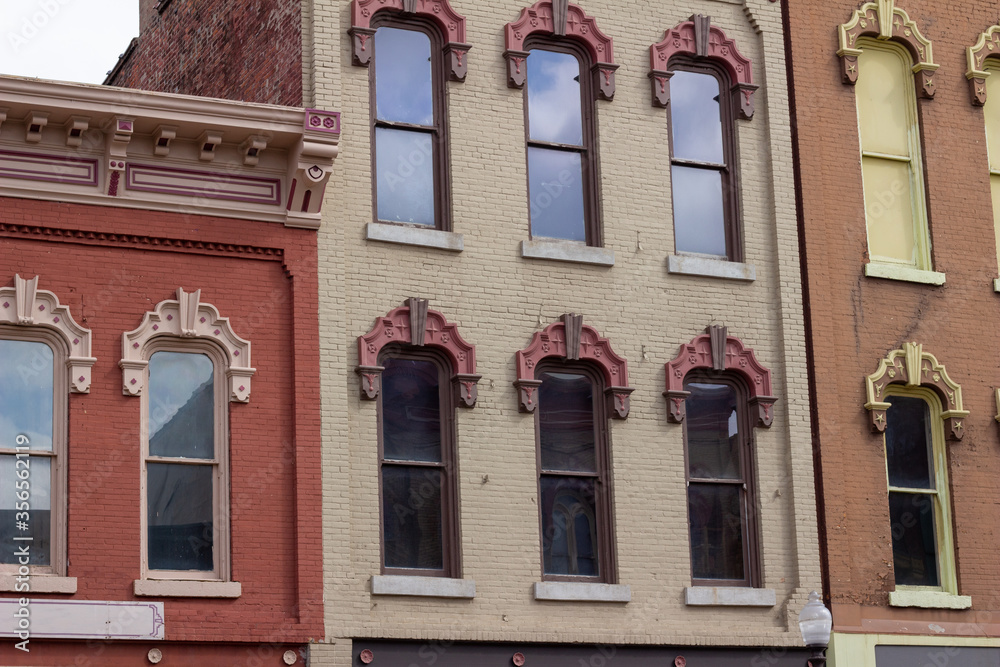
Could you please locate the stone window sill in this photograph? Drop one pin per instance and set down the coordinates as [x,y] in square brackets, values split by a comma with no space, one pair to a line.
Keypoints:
[567,251]
[179,588]
[39,583]
[996,285]
[729,596]
[430,587]
[570,591]
[425,237]
[904,273]
[711,267]
[929,599]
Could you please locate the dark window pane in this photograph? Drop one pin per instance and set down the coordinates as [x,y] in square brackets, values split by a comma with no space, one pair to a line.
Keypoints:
[404,92]
[695,117]
[405,184]
[554,106]
[411,517]
[566,422]
[716,531]
[181,405]
[411,410]
[555,189]
[712,435]
[569,526]
[39,524]
[914,547]
[908,443]
[26,390]
[699,214]
[180,519]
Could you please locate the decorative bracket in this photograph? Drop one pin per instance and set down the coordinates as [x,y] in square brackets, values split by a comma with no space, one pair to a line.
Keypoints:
[698,38]
[571,339]
[75,127]
[121,134]
[26,306]
[885,21]
[310,168]
[562,19]
[449,22]
[910,366]
[717,351]
[987,46]
[414,324]
[188,318]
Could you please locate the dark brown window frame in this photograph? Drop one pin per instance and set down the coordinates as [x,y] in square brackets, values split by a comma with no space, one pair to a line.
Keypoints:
[439,131]
[591,176]
[748,499]
[450,529]
[604,501]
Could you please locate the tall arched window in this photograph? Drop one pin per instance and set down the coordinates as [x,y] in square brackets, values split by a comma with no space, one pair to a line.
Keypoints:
[984,79]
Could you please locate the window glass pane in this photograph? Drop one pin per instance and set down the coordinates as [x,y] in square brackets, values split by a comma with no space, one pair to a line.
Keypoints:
[889,209]
[569,526]
[566,422]
[405,184]
[39,524]
[991,110]
[554,104]
[555,188]
[180,519]
[712,434]
[26,393]
[695,117]
[883,105]
[914,546]
[404,91]
[908,444]
[411,410]
[716,531]
[181,405]
[411,517]
[699,217]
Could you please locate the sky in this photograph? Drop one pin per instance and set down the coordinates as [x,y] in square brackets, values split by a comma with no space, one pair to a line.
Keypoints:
[66,40]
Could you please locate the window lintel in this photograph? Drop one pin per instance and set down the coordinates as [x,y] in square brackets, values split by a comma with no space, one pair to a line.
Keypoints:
[987,46]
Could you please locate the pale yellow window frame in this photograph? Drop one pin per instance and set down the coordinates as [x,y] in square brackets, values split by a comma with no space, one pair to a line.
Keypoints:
[991,115]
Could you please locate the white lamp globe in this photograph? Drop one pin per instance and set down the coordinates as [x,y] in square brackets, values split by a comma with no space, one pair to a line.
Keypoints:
[815,622]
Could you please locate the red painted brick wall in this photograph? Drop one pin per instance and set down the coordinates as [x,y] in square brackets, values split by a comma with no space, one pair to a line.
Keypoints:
[249,51]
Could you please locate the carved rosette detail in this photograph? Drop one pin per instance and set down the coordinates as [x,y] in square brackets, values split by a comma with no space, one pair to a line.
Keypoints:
[910,366]
[554,342]
[186,317]
[569,21]
[736,358]
[987,46]
[449,22]
[885,21]
[27,306]
[699,39]
[438,333]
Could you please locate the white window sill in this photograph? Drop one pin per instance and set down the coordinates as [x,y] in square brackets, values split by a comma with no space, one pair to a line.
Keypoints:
[729,596]
[905,273]
[996,285]
[929,599]
[180,588]
[38,583]
[429,587]
[571,591]
[426,237]
[567,251]
[710,267]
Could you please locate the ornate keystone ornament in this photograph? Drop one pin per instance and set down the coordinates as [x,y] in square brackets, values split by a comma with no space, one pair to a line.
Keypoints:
[912,367]
[885,21]
[414,324]
[717,351]
[987,46]
[571,340]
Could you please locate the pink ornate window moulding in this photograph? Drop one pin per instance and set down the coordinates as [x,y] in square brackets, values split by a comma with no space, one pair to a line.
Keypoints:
[717,351]
[987,46]
[414,324]
[562,19]
[699,39]
[449,22]
[570,339]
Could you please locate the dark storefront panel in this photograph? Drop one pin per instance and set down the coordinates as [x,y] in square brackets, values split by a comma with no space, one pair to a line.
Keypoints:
[936,656]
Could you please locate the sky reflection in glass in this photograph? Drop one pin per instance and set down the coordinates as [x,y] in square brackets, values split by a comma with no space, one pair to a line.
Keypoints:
[699,217]
[26,393]
[555,112]
[405,185]
[404,92]
[555,190]
[695,118]
[181,405]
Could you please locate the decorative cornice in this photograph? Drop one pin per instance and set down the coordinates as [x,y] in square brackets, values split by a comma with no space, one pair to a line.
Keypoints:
[186,318]
[24,305]
[987,46]
[560,18]
[910,366]
[885,21]
[698,38]
[570,339]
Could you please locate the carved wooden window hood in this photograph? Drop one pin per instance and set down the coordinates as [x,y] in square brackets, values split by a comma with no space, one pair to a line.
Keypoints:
[987,46]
